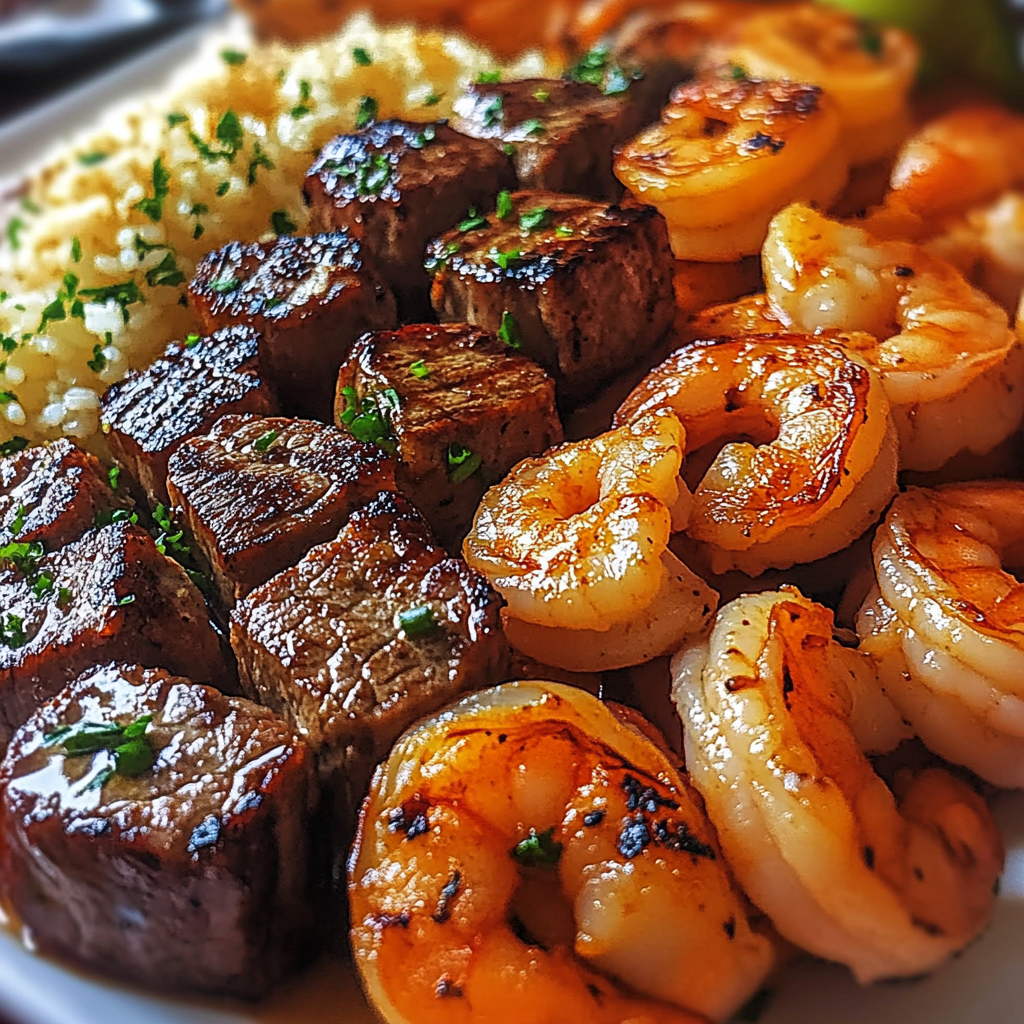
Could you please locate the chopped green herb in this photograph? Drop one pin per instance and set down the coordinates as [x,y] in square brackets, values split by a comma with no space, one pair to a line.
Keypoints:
[738,74]
[169,540]
[367,113]
[63,597]
[176,119]
[15,445]
[282,224]
[419,369]
[223,285]
[508,149]
[76,249]
[165,273]
[428,134]
[538,217]
[361,57]
[259,159]
[19,522]
[538,850]
[563,231]
[417,623]
[534,126]
[134,758]
[92,159]
[616,81]
[98,363]
[229,133]
[43,586]
[191,340]
[7,343]
[432,100]
[504,207]
[111,516]
[14,228]
[29,206]
[125,294]
[153,206]
[509,332]
[133,755]
[372,418]
[542,95]
[434,264]
[198,209]
[222,188]
[12,632]
[489,77]
[597,68]
[473,221]
[463,462]
[113,475]
[505,259]
[369,176]
[235,58]
[6,397]
[870,39]
[126,600]
[198,231]
[303,107]
[24,556]
[493,112]
[264,441]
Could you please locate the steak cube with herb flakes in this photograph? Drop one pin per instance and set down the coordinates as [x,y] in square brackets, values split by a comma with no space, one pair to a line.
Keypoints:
[309,298]
[459,407]
[560,134]
[365,635]
[157,831]
[583,288]
[257,494]
[149,413]
[52,494]
[111,594]
[395,185]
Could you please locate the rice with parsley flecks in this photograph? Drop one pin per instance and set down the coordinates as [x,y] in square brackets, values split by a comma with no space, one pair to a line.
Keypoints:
[97,257]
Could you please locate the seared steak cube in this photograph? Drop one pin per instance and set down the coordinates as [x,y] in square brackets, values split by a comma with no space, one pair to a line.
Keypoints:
[156,830]
[149,413]
[365,635]
[309,298]
[561,134]
[394,186]
[460,407]
[257,494]
[109,595]
[52,494]
[583,288]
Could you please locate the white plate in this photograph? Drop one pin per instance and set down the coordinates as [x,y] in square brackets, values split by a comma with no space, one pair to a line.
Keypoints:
[984,986]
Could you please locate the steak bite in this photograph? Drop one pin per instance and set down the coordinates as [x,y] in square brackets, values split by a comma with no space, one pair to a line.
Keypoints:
[460,407]
[257,494]
[52,493]
[156,830]
[149,413]
[561,134]
[109,595]
[309,298]
[583,288]
[365,635]
[394,186]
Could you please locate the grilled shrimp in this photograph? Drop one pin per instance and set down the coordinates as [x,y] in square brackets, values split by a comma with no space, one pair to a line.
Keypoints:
[777,718]
[522,853]
[867,72]
[820,465]
[576,541]
[946,622]
[727,156]
[953,369]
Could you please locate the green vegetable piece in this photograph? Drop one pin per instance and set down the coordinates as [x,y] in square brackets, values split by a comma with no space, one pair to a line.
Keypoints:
[98,363]
[489,77]
[14,228]
[113,475]
[14,445]
[534,126]
[504,207]
[233,58]
[532,220]
[134,758]
[493,112]
[191,340]
[165,273]
[542,95]
[432,100]
[509,332]
[175,118]
[6,397]
[417,623]
[419,369]
[92,159]
[473,221]
[259,159]
[91,738]
[361,57]
[563,231]
[223,285]
[367,112]
[76,249]
[153,206]
[505,259]
[42,586]
[538,850]
[264,441]
[228,133]
[12,632]
[223,187]
[463,462]
[109,516]
[282,224]
[127,600]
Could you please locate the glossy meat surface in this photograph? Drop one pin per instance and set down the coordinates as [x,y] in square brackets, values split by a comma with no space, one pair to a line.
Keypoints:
[586,287]
[149,413]
[190,876]
[309,298]
[257,494]
[397,184]
[112,595]
[467,391]
[323,644]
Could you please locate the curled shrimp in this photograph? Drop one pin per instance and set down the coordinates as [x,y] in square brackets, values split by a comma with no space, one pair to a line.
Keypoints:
[777,717]
[945,622]
[953,369]
[867,71]
[576,541]
[523,854]
[820,463]
[727,156]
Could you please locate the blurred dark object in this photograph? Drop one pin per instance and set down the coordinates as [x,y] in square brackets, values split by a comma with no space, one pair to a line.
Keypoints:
[47,46]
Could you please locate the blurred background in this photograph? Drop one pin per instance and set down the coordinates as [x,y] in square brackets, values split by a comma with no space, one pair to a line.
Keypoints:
[49,46]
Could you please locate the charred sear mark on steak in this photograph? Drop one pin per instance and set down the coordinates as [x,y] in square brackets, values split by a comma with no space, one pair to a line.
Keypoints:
[309,298]
[395,186]
[454,393]
[147,415]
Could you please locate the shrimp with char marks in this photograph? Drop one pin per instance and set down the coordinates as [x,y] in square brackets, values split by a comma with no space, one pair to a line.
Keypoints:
[945,622]
[526,855]
[727,156]
[817,463]
[953,369]
[777,718]
[576,541]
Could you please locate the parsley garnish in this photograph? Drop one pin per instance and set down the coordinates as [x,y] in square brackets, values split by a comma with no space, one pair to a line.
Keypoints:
[92,159]
[489,77]
[7,343]
[14,228]
[303,108]
[29,206]
[282,224]
[235,58]
[166,273]
[198,231]
[493,112]
[419,369]
[509,332]
[223,285]
[738,74]
[473,221]
[367,113]
[15,445]
[98,363]
[505,259]
[417,623]
[538,217]
[372,418]
[133,755]
[222,188]
[463,462]
[264,441]
[538,850]
[534,126]
[12,632]
[563,231]
[125,294]
[176,119]
[259,159]
[504,205]
[369,177]
[56,310]
[113,475]
[191,340]
[7,397]
[153,206]
[434,264]
[228,133]
[361,57]
[508,149]
[110,516]
[597,68]
[76,249]
[169,539]
[542,95]
[432,100]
